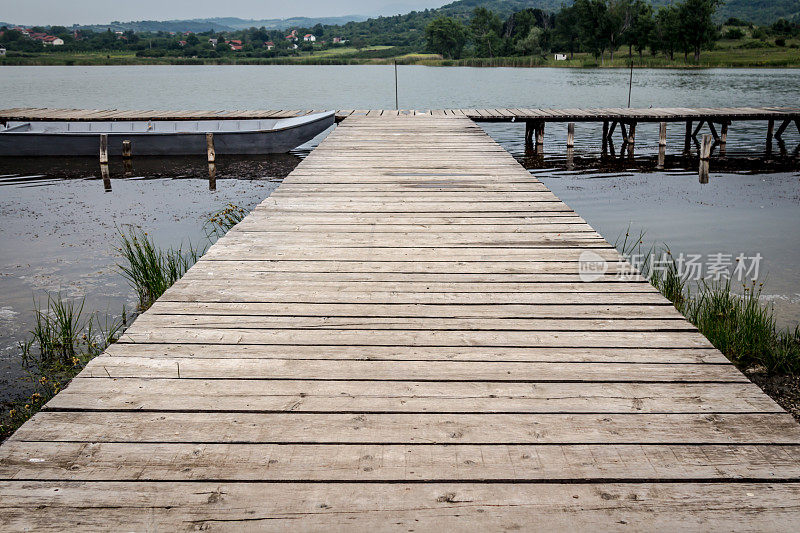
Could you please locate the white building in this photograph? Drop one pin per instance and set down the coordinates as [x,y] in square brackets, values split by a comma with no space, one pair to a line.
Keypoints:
[561,57]
[2,51]
[309,38]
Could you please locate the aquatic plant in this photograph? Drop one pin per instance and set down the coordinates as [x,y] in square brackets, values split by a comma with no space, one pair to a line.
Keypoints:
[149,269]
[740,325]
[221,222]
[63,339]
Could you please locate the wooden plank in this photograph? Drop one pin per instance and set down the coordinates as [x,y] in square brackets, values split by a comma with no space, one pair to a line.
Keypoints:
[314,395]
[341,428]
[442,371]
[436,506]
[393,463]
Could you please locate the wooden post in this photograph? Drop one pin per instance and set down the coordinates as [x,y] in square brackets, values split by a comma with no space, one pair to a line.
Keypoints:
[705,148]
[571,135]
[704,171]
[632,133]
[106,174]
[770,130]
[687,140]
[212,176]
[605,136]
[713,131]
[212,154]
[540,134]
[570,158]
[624,132]
[529,126]
[126,149]
[662,157]
[104,149]
[662,134]
[724,135]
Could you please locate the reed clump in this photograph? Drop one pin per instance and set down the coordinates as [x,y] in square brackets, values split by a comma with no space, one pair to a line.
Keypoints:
[151,270]
[65,337]
[740,325]
[63,340]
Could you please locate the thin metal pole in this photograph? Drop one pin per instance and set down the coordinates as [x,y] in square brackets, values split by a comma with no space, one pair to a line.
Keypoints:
[630,84]
[396,98]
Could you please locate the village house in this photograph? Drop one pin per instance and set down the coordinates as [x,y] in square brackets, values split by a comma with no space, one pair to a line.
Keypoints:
[235,45]
[270,45]
[339,40]
[182,43]
[292,36]
[213,42]
[2,51]
[309,38]
[561,57]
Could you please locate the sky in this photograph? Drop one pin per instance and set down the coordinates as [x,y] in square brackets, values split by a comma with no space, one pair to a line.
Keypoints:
[68,12]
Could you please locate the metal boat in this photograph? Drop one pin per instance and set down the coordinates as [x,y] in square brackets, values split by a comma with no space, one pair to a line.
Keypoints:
[161,137]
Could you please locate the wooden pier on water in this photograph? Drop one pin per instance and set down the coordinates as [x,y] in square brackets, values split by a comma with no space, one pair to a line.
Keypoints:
[622,120]
[398,338]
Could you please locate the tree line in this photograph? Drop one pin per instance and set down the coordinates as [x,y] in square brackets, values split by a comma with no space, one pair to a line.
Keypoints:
[598,27]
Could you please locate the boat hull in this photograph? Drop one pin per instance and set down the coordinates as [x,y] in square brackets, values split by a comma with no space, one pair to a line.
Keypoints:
[273,141]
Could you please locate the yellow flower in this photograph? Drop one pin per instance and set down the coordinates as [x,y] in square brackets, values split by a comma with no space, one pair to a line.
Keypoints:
[11,413]
[27,406]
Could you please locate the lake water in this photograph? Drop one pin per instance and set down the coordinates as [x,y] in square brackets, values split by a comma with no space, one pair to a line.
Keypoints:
[58,223]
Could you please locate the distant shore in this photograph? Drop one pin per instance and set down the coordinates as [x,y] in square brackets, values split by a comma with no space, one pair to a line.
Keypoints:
[786,57]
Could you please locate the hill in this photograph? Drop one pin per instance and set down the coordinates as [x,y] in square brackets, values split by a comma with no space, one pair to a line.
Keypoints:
[221,24]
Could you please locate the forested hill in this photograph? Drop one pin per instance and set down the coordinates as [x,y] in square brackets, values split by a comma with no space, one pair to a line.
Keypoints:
[756,11]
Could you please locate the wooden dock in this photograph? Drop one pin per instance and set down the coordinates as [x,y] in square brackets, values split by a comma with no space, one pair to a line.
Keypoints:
[398,338]
[670,114]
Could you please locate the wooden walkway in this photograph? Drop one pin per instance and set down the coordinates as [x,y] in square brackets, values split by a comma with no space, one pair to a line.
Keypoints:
[623,115]
[398,339]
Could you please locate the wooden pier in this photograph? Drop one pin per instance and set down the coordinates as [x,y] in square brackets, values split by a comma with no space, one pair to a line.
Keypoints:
[399,338]
[621,120]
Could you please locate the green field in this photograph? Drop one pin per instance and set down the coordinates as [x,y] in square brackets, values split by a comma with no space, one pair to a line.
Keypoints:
[729,54]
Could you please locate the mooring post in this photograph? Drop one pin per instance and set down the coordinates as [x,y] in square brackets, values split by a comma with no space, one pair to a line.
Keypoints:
[212,176]
[724,134]
[529,134]
[662,134]
[705,148]
[571,135]
[632,133]
[212,154]
[539,135]
[104,149]
[126,149]
[687,140]
[605,136]
[662,157]
[106,174]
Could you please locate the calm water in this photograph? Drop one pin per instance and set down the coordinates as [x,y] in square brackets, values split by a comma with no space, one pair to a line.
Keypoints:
[57,221]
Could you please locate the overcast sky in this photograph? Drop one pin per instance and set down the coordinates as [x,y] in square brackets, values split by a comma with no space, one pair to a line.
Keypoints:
[67,12]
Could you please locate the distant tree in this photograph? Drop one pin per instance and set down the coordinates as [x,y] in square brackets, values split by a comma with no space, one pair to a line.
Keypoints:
[485,28]
[533,44]
[446,36]
[666,35]
[359,43]
[567,32]
[592,16]
[697,24]
[192,40]
[642,23]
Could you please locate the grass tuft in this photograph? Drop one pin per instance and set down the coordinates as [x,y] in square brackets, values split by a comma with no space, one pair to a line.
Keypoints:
[149,269]
[741,326]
